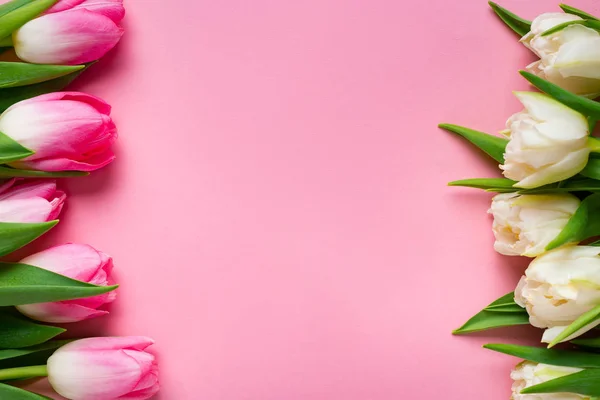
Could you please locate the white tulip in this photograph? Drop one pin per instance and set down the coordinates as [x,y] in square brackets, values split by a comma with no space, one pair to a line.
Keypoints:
[528,374]
[548,142]
[569,58]
[558,287]
[525,224]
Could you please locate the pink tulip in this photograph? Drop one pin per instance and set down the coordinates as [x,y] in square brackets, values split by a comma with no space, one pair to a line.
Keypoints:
[69,37]
[107,368]
[77,261]
[67,131]
[113,9]
[30,201]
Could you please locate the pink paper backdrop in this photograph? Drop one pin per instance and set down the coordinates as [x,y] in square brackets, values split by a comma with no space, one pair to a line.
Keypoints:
[278,212]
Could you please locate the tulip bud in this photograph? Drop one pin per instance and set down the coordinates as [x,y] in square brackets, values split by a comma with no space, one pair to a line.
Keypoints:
[558,287]
[525,224]
[569,58]
[548,142]
[104,368]
[66,131]
[70,37]
[76,261]
[527,374]
[30,201]
[112,9]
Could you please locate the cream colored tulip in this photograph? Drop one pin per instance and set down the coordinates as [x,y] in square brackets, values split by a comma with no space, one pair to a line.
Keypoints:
[558,287]
[525,224]
[569,58]
[548,142]
[528,374]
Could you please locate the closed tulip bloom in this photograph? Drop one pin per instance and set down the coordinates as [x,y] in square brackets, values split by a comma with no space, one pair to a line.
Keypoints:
[558,287]
[67,131]
[112,9]
[30,201]
[569,58]
[104,369]
[528,374]
[76,261]
[525,224]
[69,37]
[548,142]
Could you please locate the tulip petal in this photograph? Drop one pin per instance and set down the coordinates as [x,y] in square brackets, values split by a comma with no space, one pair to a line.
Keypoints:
[59,312]
[111,343]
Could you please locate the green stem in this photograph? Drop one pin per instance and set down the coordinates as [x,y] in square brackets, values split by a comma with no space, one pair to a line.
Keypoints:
[594,144]
[6,42]
[23,372]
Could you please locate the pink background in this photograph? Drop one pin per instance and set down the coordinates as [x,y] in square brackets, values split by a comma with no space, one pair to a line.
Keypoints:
[278,212]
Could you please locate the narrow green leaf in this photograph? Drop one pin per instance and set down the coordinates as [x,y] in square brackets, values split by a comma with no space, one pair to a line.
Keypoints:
[16,18]
[13,5]
[593,343]
[585,106]
[575,11]
[583,224]
[592,24]
[7,172]
[497,314]
[26,284]
[11,150]
[8,392]
[10,96]
[14,74]
[16,353]
[580,323]
[586,382]
[17,332]
[563,358]
[592,169]
[519,25]
[13,236]
[492,145]
[499,185]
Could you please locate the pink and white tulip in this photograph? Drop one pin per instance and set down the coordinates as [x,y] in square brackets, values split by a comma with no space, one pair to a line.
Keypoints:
[107,368]
[31,201]
[80,262]
[66,130]
[75,36]
[113,9]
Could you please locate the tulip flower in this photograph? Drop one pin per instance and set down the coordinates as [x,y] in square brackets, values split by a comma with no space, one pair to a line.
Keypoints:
[104,369]
[524,225]
[548,142]
[71,37]
[112,9]
[66,131]
[76,261]
[30,201]
[558,287]
[569,58]
[527,374]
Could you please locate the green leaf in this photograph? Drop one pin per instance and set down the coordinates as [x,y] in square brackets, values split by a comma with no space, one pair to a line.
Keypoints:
[499,185]
[578,12]
[580,323]
[494,146]
[17,332]
[592,24]
[26,284]
[13,74]
[18,17]
[563,358]
[586,382]
[13,236]
[519,25]
[592,169]
[7,172]
[11,150]
[8,392]
[10,96]
[502,312]
[585,106]
[15,353]
[13,5]
[593,343]
[583,224]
